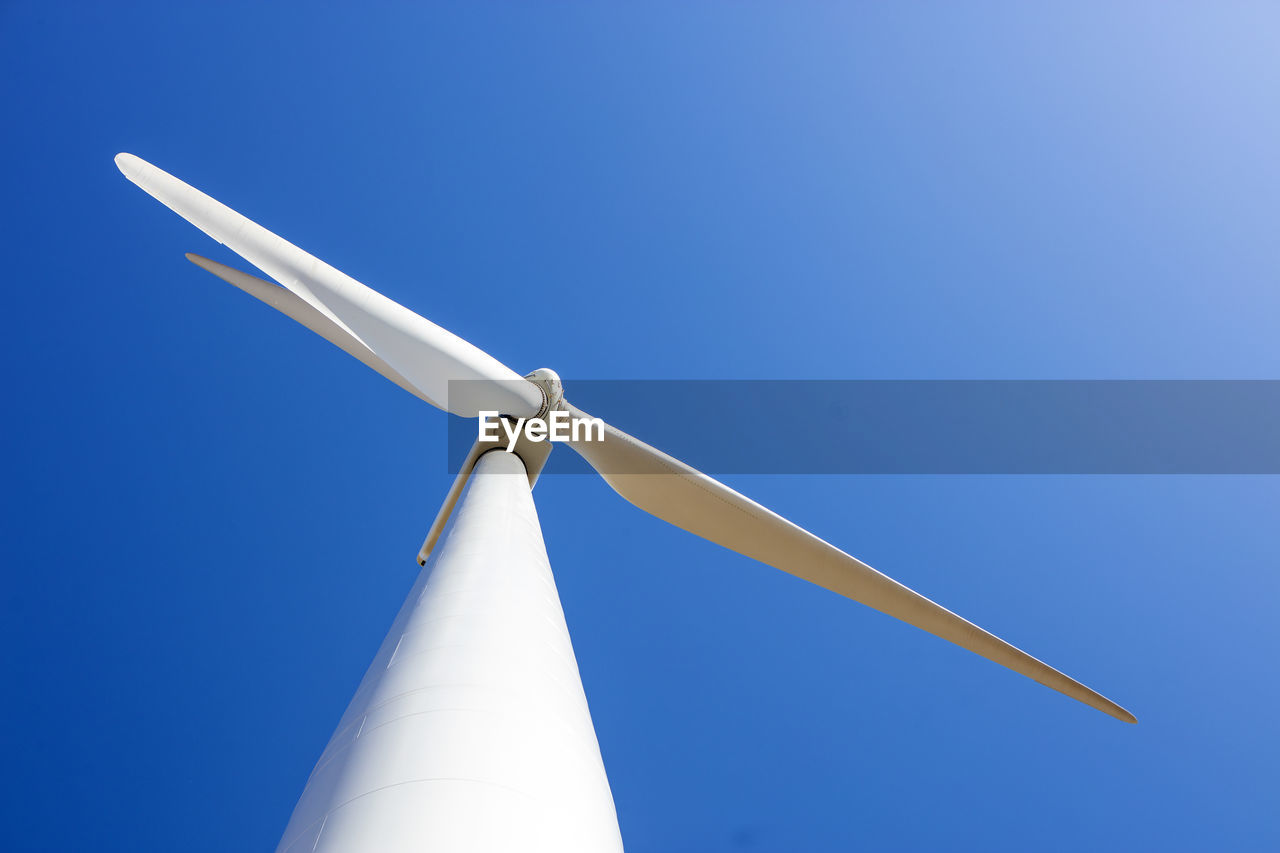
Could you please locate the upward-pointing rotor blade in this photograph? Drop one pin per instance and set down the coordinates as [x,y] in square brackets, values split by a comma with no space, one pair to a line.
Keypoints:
[673,491]
[426,355]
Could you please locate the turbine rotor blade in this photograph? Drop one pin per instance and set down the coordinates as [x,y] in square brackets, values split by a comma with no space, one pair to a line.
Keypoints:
[297,308]
[669,489]
[426,355]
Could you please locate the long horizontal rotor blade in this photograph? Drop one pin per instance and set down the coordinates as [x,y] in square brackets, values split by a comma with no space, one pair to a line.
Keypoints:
[677,493]
[426,355]
[295,307]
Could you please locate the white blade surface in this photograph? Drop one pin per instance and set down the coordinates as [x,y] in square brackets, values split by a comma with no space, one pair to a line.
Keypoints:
[427,356]
[294,307]
[673,491]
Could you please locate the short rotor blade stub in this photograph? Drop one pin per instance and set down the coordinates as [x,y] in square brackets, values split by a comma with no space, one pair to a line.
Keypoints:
[292,306]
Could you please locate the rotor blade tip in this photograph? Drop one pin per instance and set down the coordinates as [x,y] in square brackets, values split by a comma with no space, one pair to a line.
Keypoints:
[205,264]
[1111,709]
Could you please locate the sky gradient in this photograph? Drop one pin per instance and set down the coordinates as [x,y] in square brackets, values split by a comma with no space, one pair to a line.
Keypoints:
[211,516]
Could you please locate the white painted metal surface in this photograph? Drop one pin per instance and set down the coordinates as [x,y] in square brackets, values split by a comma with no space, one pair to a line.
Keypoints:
[470,732]
[424,358]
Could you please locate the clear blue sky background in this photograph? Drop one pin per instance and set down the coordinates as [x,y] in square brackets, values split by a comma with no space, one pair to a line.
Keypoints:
[211,516]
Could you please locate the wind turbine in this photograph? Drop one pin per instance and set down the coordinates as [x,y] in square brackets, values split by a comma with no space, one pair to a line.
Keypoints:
[470,730]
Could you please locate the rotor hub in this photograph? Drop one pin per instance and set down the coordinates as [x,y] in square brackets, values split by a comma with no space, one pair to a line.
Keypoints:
[548,382]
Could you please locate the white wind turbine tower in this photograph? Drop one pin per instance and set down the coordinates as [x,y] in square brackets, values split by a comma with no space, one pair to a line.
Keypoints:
[470,730]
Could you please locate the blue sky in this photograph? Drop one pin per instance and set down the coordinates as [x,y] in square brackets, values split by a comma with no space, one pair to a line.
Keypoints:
[211,517]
